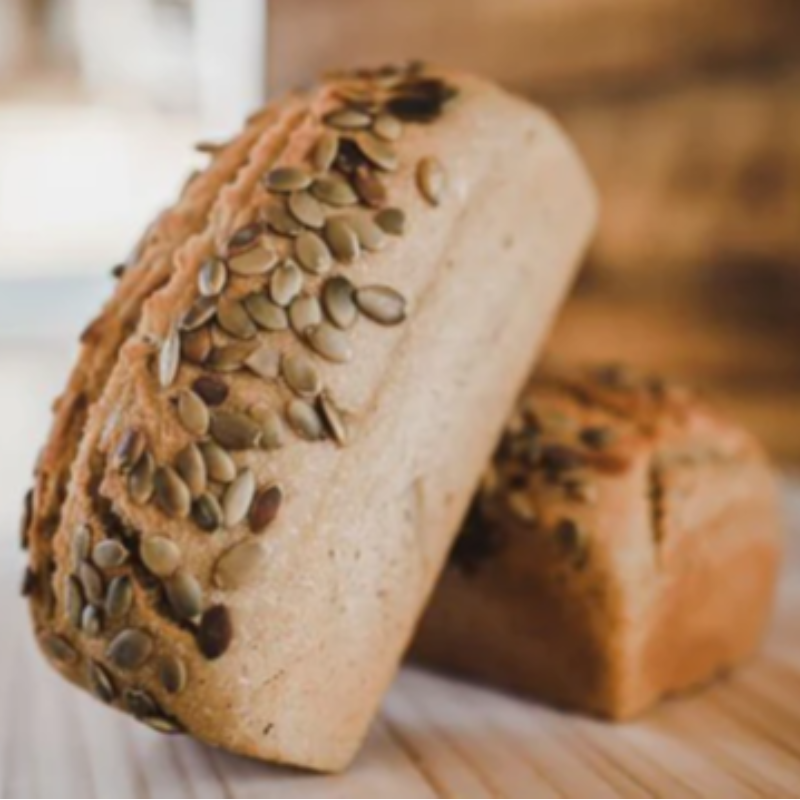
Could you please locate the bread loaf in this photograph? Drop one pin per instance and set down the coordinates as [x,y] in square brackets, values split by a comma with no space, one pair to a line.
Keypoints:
[624,546]
[275,426]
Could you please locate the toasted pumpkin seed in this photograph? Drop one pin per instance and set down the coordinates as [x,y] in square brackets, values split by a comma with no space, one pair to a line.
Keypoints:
[215,633]
[234,431]
[231,357]
[169,359]
[330,343]
[382,304]
[119,598]
[193,413]
[240,565]
[185,595]
[325,150]
[348,119]
[196,346]
[333,419]
[130,650]
[92,581]
[312,253]
[244,238]
[266,314]
[342,239]
[264,363]
[207,513]
[163,725]
[101,683]
[388,127]
[212,391]
[172,674]
[160,556]
[171,493]
[432,180]
[192,468]
[391,221]
[307,209]
[130,449]
[339,303]
[74,601]
[219,464]
[141,481]
[81,544]
[281,221]
[266,506]
[109,554]
[238,498]
[60,649]
[301,375]
[305,312]
[288,179]
[139,703]
[334,190]
[257,261]
[92,622]
[212,278]
[234,319]
[305,420]
[370,236]
[200,314]
[286,283]
[370,187]
[273,433]
[379,152]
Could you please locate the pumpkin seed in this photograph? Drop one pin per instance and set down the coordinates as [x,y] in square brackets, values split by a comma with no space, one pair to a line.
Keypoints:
[265,508]
[164,726]
[370,235]
[60,649]
[305,312]
[339,303]
[288,179]
[333,419]
[348,119]
[388,127]
[207,513]
[432,180]
[74,601]
[101,683]
[234,431]
[119,598]
[325,151]
[305,420]
[200,314]
[334,190]
[266,314]
[273,434]
[141,481]
[382,304]
[192,469]
[185,595]
[109,554]
[307,209]
[301,375]
[215,634]
[230,357]
[193,413]
[92,622]
[282,222]
[196,346]
[312,253]
[212,391]
[130,650]
[81,544]
[169,359]
[240,565]
[286,283]
[342,239]
[130,449]
[212,278]
[171,493]
[370,188]
[172,674]
[379,152]
[234,319]
[92,582]
[238,498]
[139,703]
[257,261]
[264,363]
[219,464]
[391,221]
[160,556]
[330,343]
[244,238]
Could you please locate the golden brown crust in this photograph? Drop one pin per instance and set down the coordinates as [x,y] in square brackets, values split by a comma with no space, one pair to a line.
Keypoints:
[624,547]
[198,555]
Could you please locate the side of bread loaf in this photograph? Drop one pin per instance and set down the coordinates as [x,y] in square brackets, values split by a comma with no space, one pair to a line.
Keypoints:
[624,547]
[275,426]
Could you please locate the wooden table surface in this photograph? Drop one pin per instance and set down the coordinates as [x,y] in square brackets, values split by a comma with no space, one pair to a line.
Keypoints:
[435,737]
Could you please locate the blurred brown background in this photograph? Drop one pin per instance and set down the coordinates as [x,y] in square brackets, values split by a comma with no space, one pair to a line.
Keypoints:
[688,112]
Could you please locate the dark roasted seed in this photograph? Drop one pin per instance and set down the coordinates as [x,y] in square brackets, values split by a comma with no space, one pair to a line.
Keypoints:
[213,391]
[215,634]
[265,508]
[74,601]
[196,346]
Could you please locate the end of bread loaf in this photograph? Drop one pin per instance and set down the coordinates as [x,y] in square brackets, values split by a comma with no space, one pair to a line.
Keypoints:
[624,547]
[276,424]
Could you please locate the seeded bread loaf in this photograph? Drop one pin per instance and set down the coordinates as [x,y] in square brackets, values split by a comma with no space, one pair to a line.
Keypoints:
[275,426]
[623,547]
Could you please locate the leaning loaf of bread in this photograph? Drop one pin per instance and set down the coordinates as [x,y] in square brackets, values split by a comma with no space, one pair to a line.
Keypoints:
[624,547]
[276,425]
